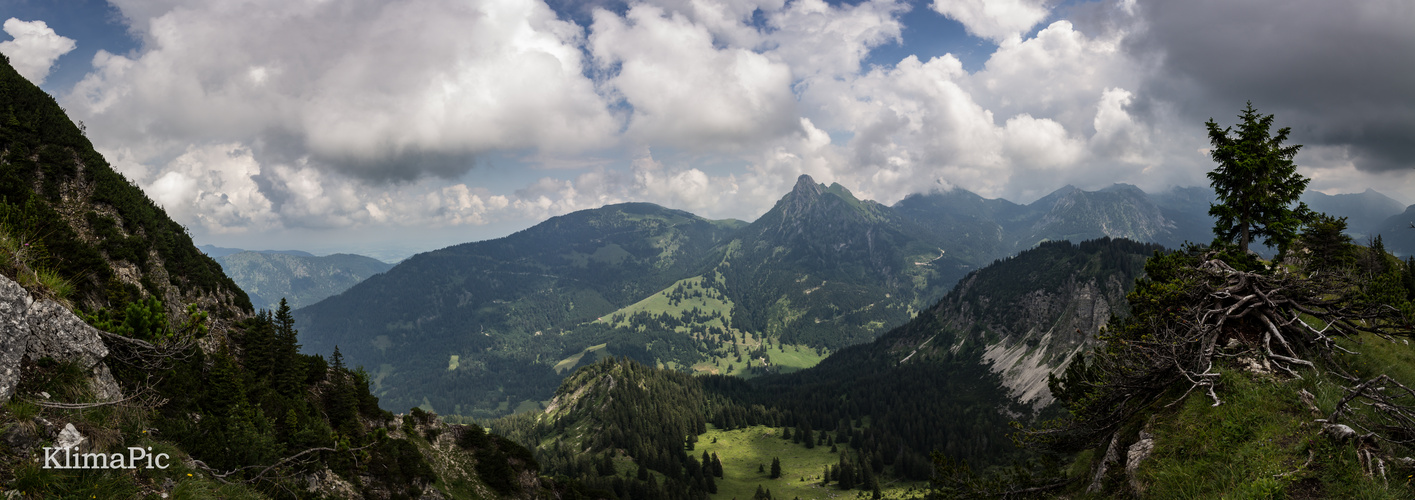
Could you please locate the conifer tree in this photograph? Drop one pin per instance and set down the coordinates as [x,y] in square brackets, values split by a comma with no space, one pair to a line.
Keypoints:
[775,467]
[1256,182]
[288,369]
[1330,248]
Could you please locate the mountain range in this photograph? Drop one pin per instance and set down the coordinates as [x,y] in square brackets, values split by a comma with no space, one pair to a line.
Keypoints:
[299,277]
[490,327]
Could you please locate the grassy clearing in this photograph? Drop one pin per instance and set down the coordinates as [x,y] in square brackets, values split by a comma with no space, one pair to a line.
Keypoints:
[598,351]
[786,358]
[742,451]
[662,302]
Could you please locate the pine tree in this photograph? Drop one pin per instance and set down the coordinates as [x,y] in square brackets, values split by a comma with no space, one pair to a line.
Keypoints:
[775,467]
[1256,183]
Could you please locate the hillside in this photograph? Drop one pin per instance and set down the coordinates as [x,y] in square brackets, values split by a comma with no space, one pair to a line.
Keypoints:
[478,327]
[1208,389]
[1365,211]
[117,334]
[1397,233]
[78,216]
[302,280]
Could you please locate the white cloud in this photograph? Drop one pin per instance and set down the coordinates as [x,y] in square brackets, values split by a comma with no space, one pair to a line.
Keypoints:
[212,188]
[34,48]
[1056,74]
[686,92]
[821,41]
[370,89]
[997,20]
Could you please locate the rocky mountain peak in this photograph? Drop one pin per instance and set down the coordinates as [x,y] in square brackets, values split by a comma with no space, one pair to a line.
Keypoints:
[806,186]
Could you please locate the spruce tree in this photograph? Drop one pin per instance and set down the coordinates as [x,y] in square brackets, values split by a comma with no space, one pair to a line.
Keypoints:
[1330,248]
[775,467]
[1256,182]
[288,368]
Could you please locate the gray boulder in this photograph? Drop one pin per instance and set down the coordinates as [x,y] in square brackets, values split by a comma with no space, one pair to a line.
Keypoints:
[34,329]
[14,334]
[57,333]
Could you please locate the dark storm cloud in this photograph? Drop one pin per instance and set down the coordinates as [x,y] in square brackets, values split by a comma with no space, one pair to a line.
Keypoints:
[1338,73]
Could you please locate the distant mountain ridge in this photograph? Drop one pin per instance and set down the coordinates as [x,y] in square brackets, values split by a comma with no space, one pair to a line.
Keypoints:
[1365,211]
[299,277]
[216,252]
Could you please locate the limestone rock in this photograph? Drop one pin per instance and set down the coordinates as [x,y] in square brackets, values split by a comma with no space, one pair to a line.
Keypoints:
[1112,456]
[69,438]
[1137,454]
[57,333]
[105,387]
[14,334]
[31,329]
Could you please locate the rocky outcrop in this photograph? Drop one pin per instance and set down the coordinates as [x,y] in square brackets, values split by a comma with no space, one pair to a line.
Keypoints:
[35,329]
[14,334]
[1137,454]
[1052,326]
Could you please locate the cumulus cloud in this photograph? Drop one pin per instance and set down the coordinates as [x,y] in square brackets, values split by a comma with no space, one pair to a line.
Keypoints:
[821,41]
[686,92]
[997,20]
[34,48]
[1057,74]
[368,89]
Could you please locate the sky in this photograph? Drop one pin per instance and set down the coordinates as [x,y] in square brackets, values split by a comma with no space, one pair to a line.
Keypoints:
[388,128]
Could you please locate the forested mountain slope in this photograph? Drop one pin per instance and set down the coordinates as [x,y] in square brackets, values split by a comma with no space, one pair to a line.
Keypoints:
[117,334]
[78,216]
[482,323]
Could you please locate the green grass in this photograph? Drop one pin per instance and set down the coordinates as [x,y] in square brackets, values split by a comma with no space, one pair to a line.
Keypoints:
[659,303]
[1261,430]
[786,358]
[743,450]
[18,260]
[598,351]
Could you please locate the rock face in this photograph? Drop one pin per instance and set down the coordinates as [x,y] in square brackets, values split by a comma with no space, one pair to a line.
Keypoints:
[1137,454]
[34,329]
[14,334]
